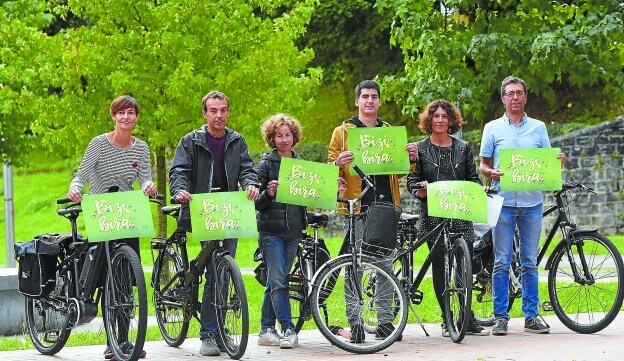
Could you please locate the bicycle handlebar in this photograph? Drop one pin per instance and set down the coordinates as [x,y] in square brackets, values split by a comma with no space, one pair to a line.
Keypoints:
[572,185]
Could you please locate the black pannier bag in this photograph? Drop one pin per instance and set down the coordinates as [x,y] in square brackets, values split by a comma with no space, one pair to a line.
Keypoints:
[381,222]
[37,264]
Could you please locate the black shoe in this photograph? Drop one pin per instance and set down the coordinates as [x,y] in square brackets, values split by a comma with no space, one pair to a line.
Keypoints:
[475,329]
[357,334]
[535,325]
[126,348]
[108,353]
[384,330]
[500,327]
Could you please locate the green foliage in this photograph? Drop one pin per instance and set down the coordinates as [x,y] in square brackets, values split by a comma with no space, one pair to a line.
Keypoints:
[314,151]
[569,53]
[167,54]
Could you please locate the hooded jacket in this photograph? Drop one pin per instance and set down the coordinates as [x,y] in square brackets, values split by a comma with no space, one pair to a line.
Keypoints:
[191,167]
[272,216]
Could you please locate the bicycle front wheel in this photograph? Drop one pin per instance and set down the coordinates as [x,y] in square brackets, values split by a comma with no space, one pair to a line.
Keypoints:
[347,300]
[171,297]
[47,319]
[231,307]
[458,294]
[589,304]
[125,305]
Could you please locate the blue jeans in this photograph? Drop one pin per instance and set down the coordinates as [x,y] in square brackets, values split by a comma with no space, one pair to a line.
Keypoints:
[278,254]
[529,223]
[208,315]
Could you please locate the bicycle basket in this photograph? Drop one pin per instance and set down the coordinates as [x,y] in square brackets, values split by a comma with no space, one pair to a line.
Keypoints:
[37,264]
[381,223]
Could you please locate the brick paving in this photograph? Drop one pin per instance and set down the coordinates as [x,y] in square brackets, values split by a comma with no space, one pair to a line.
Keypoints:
[560,344]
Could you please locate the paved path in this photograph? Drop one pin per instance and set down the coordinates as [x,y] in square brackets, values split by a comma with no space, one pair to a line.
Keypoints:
[560,344]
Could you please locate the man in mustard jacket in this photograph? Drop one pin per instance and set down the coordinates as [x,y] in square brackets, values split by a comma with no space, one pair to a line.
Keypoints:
[368,101]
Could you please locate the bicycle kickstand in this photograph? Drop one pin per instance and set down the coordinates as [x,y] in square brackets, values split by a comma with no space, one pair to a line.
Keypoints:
[411,307]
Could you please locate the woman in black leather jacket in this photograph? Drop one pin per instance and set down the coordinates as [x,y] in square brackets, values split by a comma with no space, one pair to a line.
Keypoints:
[442,157]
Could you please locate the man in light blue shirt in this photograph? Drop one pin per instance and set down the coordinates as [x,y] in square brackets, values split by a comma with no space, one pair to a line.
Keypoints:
[520,209]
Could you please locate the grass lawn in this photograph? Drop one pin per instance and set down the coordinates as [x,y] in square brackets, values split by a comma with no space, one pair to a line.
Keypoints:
[35,212]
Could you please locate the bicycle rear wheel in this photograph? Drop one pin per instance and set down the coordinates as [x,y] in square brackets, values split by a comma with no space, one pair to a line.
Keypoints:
[299,307]
[482,305]
[125,305]
[47,319]
[365,296]
[231,307]
[171,297]
[589,305]
[458,295]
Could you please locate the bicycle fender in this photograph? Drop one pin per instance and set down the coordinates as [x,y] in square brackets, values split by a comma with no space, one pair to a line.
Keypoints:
[561,245]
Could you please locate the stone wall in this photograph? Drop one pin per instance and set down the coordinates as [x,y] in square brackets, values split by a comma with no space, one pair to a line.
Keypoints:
[596,159]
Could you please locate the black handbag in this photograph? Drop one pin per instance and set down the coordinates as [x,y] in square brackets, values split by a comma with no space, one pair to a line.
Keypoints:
[381,223]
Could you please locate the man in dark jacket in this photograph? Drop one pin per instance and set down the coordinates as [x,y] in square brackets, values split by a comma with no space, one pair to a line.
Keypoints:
[211,157]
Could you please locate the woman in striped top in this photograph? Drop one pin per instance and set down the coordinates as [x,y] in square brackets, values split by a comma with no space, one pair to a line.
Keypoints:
[115,160]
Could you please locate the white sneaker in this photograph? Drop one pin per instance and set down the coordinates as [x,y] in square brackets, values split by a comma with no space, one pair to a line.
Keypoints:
[289,339]
[268,337]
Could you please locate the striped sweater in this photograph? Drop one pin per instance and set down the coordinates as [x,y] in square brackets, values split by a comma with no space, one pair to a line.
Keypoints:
[104,165]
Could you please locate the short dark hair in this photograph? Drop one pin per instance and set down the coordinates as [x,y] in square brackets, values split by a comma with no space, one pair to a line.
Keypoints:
[366,84]
[214,94]
[124,102]
[511,80]
[454,117]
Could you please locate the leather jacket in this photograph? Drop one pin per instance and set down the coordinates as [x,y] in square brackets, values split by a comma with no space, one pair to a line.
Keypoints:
[272,216]
[427,166]
[191,167]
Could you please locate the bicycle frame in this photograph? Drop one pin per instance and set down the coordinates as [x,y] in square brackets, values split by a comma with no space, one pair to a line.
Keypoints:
[568,230]
[407,269]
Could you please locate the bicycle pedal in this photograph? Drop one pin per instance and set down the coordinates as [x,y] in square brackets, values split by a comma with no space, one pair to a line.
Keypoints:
[417,297]
[547,306]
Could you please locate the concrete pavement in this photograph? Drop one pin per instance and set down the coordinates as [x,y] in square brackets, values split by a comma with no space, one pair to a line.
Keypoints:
[560,344]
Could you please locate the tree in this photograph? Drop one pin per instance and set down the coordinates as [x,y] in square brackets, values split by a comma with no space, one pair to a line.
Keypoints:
[569,52]
[168,54]
[21,40]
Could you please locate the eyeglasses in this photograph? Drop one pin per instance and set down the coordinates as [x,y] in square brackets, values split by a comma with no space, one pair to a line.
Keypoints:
[511,94]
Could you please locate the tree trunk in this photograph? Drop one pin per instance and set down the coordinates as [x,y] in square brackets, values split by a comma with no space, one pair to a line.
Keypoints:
[161,182]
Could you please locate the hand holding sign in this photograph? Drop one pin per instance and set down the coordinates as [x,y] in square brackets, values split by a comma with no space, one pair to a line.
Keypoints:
[380,150]
[457,199]
[534,169]
[110,216]
[307,183]
[223,215]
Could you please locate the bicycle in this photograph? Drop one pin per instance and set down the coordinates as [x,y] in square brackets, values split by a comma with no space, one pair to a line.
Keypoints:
[357,290]
[457,271]
[176,283]
[75,276]
[585,270]
[311,255]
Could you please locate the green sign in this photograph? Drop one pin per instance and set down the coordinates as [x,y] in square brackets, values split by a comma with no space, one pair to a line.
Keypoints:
[530,169]
[379,150]
[307,183]
[110,216]
[222,215]
[457,199]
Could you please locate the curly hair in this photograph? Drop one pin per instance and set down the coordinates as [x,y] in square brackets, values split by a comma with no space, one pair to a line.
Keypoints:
[426,117]
[270,126]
